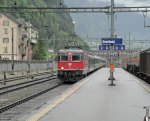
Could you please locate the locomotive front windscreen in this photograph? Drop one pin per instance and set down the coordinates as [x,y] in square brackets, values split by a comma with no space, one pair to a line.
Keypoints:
[64,57]
[77,56]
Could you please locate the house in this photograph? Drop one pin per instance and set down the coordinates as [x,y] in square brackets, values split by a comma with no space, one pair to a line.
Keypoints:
[15,36]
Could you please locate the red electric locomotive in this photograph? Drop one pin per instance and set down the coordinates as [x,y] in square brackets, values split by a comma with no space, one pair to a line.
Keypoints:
[74,63]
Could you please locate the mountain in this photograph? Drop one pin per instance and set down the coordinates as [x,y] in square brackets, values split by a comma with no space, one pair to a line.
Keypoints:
[98,24]
[54,28]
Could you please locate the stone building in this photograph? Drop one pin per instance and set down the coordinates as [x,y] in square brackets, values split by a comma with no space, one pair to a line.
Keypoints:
[14,38]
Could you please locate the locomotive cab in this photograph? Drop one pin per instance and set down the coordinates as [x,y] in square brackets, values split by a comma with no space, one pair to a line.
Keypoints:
[70,64]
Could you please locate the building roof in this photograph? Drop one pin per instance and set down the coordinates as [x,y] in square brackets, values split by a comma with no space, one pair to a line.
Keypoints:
[19,21]
[10,17]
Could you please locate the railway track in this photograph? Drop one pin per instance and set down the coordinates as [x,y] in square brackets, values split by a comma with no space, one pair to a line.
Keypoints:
[5,108]
[23,77]
[21,92]
[15,87]
[17,109]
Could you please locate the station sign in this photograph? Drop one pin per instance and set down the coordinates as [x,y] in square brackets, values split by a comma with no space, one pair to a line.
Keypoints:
[119,47]
[115,47]
[104,47]
[109,41]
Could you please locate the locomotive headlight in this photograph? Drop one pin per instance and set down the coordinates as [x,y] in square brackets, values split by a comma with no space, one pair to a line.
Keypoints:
[62,68]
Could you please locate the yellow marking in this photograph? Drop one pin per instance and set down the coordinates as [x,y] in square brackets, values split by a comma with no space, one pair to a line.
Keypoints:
[58,101]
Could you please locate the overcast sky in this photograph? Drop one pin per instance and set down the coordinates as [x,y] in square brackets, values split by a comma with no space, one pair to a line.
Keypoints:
[122,2]
[99,24]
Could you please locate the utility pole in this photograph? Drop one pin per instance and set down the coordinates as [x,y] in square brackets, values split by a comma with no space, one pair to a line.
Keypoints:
[46,41]
[29,46]
[112,19]
[111,46]
[129,44]
[12,56]
[54,41]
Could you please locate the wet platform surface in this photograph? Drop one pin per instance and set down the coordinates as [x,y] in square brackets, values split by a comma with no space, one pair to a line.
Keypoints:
[97,101]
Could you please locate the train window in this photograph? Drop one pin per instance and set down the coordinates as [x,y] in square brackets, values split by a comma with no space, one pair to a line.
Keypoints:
[82,56]
[57,58]
[75,56]
[64,57]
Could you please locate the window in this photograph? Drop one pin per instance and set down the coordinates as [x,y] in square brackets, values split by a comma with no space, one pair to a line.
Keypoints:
[5,30]
[75,56]
[82,56]
[58,57]
[5,40]
[5,49]
[5,23]
[64,57]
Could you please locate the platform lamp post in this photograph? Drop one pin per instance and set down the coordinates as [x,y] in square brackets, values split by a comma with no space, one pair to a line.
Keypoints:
[73,22]
[75,36]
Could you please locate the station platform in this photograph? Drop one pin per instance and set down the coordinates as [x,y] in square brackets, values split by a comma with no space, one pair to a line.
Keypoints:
[94,100]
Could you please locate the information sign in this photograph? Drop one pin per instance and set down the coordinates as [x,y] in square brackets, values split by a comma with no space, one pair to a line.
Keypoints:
[109,41]
[115,47]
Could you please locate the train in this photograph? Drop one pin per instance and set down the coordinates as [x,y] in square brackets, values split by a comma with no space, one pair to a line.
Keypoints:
[139,64]
[73,64]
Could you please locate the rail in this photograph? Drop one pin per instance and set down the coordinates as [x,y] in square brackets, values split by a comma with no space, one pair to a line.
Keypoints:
[25,84]
[5,108]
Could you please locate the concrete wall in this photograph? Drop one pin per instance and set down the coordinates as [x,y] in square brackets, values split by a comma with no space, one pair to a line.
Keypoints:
[22,66]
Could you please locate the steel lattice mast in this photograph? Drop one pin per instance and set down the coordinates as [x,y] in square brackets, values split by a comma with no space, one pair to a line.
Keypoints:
[74,9]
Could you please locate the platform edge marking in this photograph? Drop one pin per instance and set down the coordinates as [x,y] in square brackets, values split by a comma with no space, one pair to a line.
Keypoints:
[143,84]
[58,101]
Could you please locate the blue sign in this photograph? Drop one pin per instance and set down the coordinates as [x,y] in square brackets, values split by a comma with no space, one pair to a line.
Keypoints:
[104,47]
[114,41]
[115,47]
[119,47]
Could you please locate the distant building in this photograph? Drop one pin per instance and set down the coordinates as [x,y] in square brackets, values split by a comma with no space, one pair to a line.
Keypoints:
[28,31]
[14,35]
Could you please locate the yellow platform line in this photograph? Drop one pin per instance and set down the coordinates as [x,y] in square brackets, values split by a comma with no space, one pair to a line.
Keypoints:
[58,101]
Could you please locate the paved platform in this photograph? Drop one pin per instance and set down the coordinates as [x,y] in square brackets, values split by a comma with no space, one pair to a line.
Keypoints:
[94,100]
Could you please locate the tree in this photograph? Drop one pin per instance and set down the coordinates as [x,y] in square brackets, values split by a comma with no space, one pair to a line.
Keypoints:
[39,51]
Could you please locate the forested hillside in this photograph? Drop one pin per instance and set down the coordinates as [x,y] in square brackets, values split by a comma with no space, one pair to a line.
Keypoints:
[55,29]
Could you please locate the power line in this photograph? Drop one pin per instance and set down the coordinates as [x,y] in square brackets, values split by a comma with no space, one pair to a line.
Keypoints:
[106,9]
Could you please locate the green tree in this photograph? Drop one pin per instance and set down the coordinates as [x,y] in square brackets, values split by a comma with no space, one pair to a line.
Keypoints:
[39,51]
[59,24]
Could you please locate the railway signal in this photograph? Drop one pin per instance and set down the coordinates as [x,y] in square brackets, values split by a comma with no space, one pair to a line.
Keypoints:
[118,54]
